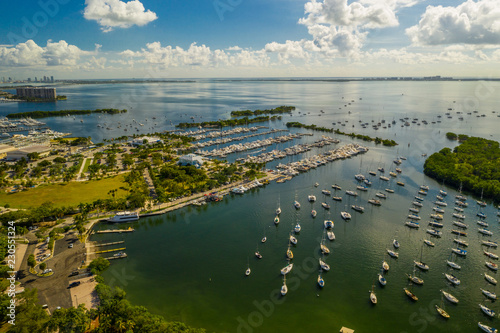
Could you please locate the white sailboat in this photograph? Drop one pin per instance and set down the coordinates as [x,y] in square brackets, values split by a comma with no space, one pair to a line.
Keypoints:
[285,270]
[284,288]
[324,266]
[373,297]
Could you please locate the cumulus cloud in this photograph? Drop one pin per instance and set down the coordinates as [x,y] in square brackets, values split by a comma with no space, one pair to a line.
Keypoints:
[54,54]
[364,13]
[112,14]
[469,23]
[288,50]
[196,55]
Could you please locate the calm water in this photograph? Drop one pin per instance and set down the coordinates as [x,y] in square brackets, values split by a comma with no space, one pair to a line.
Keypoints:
[189,265]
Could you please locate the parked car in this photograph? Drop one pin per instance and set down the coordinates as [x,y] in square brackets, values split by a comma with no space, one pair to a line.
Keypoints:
[74,284]
[74,273]
[70,246]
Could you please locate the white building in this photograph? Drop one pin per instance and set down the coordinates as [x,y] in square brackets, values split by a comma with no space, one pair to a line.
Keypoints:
[191,159]
[149,140]
[23,152]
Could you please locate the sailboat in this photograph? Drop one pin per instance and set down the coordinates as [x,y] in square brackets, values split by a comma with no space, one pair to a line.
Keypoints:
[345,215]
[293,240]
[441,311]
[373,297]
[324,266]
[385,266]
[278,210]
[452,278]
[487,328]
[297,228]
[488,294]
[490,279]
[276,220]
[381,279]
[258,255]
[321,282]
[289,253]
[284,288]
[248,271]
[411,295]
[414,278]
[453,264]
[285,270]
[323,247]
[449,297]
[487,310]
[481,202]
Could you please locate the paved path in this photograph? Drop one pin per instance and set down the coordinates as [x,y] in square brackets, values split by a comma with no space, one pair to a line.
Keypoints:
[78,175]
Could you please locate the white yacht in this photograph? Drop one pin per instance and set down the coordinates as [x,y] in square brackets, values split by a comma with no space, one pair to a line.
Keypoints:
[124,217]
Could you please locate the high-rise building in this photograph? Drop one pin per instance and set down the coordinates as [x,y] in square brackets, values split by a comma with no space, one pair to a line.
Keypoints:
[29,79]
[36,79]
[43,93]
[52,79]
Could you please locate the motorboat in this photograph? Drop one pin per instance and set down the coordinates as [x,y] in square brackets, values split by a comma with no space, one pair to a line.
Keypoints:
[328,224]
[311,198]
[487,310]
[345,215]
[285,270]
[412,224]
[490,279]
[411,295]
[459,251]
[123,217]
[450,297]
[331,235]
[429,243]
[488,294]
[382,280]
[453,264]
[393,254]
[453,279]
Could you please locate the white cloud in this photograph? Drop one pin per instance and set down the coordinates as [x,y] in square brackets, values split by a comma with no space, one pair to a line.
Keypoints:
[363,14]
[54,54]
[234,48]
[469,23]
[287,51]
[117,14]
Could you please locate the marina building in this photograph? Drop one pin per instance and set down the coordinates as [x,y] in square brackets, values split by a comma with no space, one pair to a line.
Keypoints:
[191,159]
[18,154]
[42,93]
[145,140]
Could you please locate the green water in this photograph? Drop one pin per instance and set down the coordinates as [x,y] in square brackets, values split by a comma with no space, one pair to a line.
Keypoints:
[189,265]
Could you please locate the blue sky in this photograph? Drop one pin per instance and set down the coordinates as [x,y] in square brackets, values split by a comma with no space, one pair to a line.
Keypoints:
[248,38]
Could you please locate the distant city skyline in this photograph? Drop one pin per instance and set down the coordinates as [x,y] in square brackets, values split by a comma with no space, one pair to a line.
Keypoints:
[152,39]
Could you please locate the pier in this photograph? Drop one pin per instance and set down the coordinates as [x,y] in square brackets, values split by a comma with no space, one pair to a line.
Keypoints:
[110,231]
[106,251]
[106,244]
[117,257]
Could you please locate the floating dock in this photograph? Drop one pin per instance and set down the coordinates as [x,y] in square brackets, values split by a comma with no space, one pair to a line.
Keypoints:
[106,251]
[117,257]
[106,244]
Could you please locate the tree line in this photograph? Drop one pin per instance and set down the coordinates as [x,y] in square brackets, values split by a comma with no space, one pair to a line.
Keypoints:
[474,165]
[278,110]
[377,140]
[229,122]
[61,113]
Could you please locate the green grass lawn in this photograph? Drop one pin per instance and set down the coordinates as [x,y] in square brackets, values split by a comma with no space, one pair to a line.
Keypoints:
[68,194]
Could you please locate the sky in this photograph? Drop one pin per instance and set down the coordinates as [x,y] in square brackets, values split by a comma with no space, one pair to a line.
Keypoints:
[161,39]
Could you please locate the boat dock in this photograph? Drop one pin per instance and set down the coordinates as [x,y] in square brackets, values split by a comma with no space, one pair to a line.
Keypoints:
[106,244]
[117,257]
[106,251]
[114,231]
